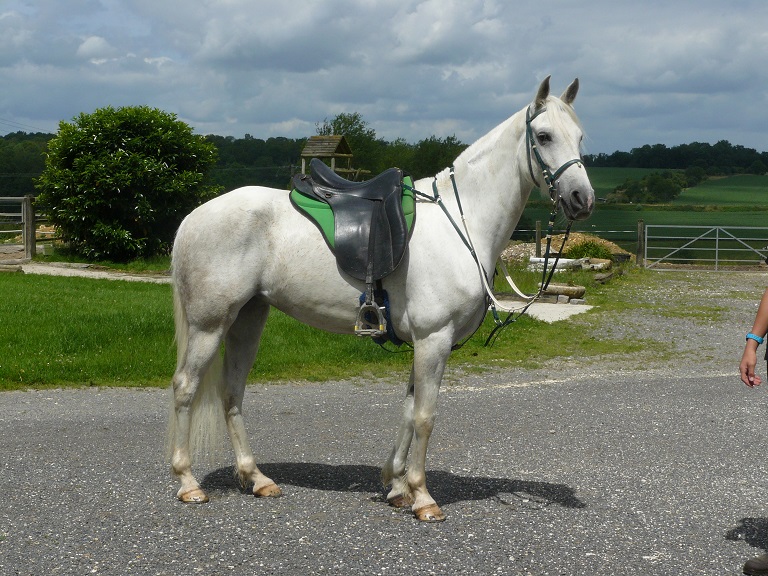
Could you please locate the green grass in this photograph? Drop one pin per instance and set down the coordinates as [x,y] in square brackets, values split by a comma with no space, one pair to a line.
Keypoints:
[58,331]
[738,190]
[733,201]
[743,190]
[155,264]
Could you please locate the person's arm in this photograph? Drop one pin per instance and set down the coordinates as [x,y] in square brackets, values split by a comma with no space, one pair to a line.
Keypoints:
[749,357]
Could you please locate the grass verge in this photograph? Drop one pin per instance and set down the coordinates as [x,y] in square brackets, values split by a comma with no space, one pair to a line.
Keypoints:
[58,332]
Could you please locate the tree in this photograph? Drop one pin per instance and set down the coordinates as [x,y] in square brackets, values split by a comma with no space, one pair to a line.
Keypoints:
[662,187]
[398,153]
[118,182]
[434,154]
[694,175]
[757,167]
[22,158]
[653,189]
[360,136]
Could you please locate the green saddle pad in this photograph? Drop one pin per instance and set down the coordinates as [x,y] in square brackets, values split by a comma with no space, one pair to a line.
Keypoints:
[322,214]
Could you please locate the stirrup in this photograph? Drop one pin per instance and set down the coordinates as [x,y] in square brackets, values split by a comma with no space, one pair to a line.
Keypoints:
[366,326]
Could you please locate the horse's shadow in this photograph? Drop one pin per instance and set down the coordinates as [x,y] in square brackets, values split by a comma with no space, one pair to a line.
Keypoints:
[753,531]
[445,487]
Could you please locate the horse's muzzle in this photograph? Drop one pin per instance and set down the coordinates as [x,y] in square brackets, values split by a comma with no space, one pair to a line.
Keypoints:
[578,204]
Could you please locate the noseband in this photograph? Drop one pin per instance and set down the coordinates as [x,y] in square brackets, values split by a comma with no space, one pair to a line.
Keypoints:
[550,178]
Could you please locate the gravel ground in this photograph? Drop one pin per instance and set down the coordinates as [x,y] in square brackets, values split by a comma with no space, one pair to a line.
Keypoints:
[580,467]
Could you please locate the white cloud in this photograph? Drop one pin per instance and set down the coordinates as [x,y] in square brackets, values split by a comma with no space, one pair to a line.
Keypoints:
[95,49]
[651,72]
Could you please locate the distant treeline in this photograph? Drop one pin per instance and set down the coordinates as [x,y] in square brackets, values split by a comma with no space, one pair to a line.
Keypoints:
[271,162]
[244,161]
[722,158]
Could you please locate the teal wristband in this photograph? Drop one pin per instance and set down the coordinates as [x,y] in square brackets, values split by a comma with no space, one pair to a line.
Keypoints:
[755,337]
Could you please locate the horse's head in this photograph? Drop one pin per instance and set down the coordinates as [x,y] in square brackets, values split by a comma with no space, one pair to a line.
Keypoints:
[553,136]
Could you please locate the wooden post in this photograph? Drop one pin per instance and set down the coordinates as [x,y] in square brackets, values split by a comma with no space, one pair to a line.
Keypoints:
[640,253]
[28,226]
[538,238]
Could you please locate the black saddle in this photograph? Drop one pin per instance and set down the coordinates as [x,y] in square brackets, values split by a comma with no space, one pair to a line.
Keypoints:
[370,228]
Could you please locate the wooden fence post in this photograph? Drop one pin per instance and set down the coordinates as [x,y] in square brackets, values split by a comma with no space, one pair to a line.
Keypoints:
[28,226]
[640,253]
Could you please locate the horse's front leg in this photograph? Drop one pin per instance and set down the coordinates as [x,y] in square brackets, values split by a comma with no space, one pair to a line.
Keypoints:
[429,360]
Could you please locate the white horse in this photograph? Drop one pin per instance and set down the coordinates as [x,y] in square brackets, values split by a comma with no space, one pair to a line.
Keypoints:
[247,250]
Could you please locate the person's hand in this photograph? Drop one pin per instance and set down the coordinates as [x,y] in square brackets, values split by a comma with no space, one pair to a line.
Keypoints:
[747,367]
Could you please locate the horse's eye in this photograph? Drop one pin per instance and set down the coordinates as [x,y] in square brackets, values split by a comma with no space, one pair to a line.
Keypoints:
[543,137]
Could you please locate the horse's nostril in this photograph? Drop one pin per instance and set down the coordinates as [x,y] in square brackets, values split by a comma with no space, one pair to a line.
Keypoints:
[577,200]
[580,203]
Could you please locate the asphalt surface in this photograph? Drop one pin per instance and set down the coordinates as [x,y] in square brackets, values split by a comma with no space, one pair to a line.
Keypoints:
[654,467]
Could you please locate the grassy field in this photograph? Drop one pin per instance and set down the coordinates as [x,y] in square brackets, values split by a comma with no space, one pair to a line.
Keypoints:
[738,190]
[58,331]
[732,191]
[604,180]
[743,190]
[734,201]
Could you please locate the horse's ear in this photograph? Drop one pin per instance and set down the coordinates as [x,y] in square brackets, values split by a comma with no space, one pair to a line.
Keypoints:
[543,92]
[570,93]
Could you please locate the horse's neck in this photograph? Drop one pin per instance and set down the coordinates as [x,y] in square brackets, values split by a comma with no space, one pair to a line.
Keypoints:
[492,182]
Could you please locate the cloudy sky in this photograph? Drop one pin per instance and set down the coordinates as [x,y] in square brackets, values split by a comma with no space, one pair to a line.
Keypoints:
[651,71]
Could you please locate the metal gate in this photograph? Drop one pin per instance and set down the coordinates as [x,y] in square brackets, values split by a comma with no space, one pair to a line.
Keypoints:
[711,246]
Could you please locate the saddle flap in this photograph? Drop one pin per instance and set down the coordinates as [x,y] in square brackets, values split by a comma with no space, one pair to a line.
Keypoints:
[366,224]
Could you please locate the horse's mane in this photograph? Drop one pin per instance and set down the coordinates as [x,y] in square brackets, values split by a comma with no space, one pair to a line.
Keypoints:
[555,110]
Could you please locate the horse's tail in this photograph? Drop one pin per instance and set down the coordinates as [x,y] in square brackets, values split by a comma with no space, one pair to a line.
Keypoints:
[207,429]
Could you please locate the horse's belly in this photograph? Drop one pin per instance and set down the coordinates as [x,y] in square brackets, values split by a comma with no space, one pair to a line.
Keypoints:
[314,293]
[299,276]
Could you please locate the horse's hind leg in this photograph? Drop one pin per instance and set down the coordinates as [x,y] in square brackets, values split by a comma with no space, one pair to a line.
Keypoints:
[242,343]
[201,350]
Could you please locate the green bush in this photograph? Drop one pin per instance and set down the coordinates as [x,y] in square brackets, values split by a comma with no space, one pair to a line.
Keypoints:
[118,182]
[588,249]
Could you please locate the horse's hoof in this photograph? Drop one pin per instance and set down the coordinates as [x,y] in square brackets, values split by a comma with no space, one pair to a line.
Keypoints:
[430,513]
[399,501]
[268,491]
[194,496]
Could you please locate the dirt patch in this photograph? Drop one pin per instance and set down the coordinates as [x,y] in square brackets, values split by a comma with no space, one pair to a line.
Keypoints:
[11,252]
[519,252]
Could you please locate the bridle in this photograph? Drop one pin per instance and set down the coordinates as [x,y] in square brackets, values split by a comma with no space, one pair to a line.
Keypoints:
[550,178]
